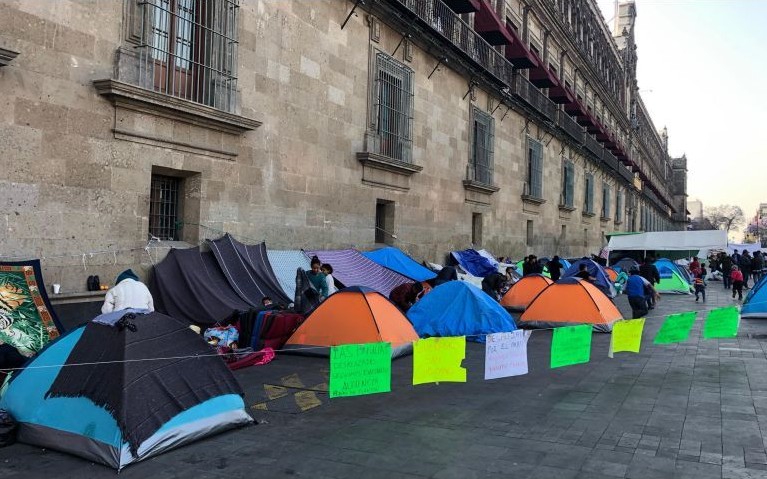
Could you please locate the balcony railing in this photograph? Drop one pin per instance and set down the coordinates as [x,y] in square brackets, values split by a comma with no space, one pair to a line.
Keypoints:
[534,97]
[593,146]
[448,25]
[626,174]
[610,159]
[570,126]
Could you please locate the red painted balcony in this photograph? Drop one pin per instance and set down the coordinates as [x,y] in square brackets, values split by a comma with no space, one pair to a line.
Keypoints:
[560,94]
[462,6]
[541,76]
[490,27]
[518,53]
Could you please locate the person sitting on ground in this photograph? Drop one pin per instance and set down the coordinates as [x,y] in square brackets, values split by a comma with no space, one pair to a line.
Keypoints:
[406,295]
[328,270]
[267,301]
[699,281]
[128,292]
[317,278]
[637,289]
[737,282]
[555,268]
[583,273]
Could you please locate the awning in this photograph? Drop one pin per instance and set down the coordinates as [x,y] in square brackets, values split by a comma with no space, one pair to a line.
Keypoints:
[518,53]
[490,27]
[462,6]
[670,241]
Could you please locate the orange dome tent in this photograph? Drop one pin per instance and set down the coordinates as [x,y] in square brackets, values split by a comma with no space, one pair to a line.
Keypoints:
[354,315]
[571,301]
[524,291]
[612,274]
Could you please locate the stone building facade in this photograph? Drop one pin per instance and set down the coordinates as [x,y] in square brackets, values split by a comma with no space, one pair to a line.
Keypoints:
[427,124]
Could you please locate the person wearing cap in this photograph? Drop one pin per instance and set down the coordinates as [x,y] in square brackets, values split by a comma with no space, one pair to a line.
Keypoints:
[128,292]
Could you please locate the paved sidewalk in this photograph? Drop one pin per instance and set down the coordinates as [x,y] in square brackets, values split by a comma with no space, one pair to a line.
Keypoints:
[691,410]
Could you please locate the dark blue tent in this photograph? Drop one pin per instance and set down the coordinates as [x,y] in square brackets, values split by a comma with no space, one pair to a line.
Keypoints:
[474,263]
[103,392]
[458,308]
[755,304]
[396,260]
[602,280]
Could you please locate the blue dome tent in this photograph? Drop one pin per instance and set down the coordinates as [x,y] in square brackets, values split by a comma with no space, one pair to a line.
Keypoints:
[602,281]
[755,304]
[457,308]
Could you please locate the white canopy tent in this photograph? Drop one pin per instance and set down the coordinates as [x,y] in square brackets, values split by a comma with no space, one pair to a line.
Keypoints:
[692,241]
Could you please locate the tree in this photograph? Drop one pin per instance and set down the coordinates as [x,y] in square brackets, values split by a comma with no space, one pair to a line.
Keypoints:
[699,224]
[724,217]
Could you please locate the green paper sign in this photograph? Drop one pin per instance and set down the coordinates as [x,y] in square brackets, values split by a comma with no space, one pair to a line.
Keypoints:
[676,328]
[721,323]
[627,336]
[439,360]
[357,369]
[571,345]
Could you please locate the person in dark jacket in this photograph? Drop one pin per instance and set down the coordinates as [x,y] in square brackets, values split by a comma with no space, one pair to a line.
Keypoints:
[650,272]
[745,267]
[448,273]
[317,278]
[526,265]
[555,269]
[637,290]
[757,263]
[725,263]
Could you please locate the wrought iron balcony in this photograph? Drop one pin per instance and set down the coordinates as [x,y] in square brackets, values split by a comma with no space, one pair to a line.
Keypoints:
[611,160]
[570,126]
[626,174]
[442,20]
[534,97]
[593,146]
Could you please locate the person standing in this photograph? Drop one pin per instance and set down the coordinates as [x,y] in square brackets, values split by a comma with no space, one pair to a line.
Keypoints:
[745,267]
[650,272]
[694,265]
[726,265]
[555,268]
[700,283]
[128,292]
[317,278]
[757,263]
[737,282]
[637,289]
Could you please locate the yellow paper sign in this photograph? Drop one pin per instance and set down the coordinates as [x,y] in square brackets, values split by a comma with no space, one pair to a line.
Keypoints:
[627,336]
[439,360]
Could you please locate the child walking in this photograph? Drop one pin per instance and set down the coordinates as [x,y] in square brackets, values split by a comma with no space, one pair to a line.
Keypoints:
[737,282]
[700,282]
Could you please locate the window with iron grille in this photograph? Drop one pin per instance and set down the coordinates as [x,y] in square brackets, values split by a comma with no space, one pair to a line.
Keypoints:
[588,199]
[534,184]
[476,229]
[605,200]
[618,206]
[165,207]
[188,50]
[393,108]
[568,183]
[482,138]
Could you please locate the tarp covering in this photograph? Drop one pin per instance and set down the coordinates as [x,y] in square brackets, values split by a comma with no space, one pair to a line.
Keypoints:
[27,321]
[248,270]
[474,263]
[117,413]
[353,269]
[284,264]
[396,260]
[188,284]
[670,241]
[458,308]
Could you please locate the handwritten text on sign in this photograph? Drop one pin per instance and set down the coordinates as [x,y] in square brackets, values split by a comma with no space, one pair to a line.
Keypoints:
[439,360]
[357,369]
[506,354]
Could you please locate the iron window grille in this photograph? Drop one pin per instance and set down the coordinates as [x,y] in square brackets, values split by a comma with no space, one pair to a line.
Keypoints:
[618,206]
[164,207]
[605,200]
[394,108]
[188,50]
[568,183]
[534,168]
[480,166]
[588,200]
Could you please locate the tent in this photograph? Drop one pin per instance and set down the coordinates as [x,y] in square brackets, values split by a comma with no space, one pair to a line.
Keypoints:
[27,320]
[672,280]
[120,404]
[351,268]
[545,261]
[612,274]
[524,291]
[595,270]
[396,260]
[625,264]
[284,264]
[474,263]
[458,308]
[755,304]
[571,301]
[353,315]
[670,241]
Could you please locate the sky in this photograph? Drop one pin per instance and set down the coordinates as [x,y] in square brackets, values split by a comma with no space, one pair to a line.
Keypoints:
[702,73]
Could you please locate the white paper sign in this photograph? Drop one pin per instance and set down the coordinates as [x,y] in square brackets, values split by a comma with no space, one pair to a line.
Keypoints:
[506,354]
